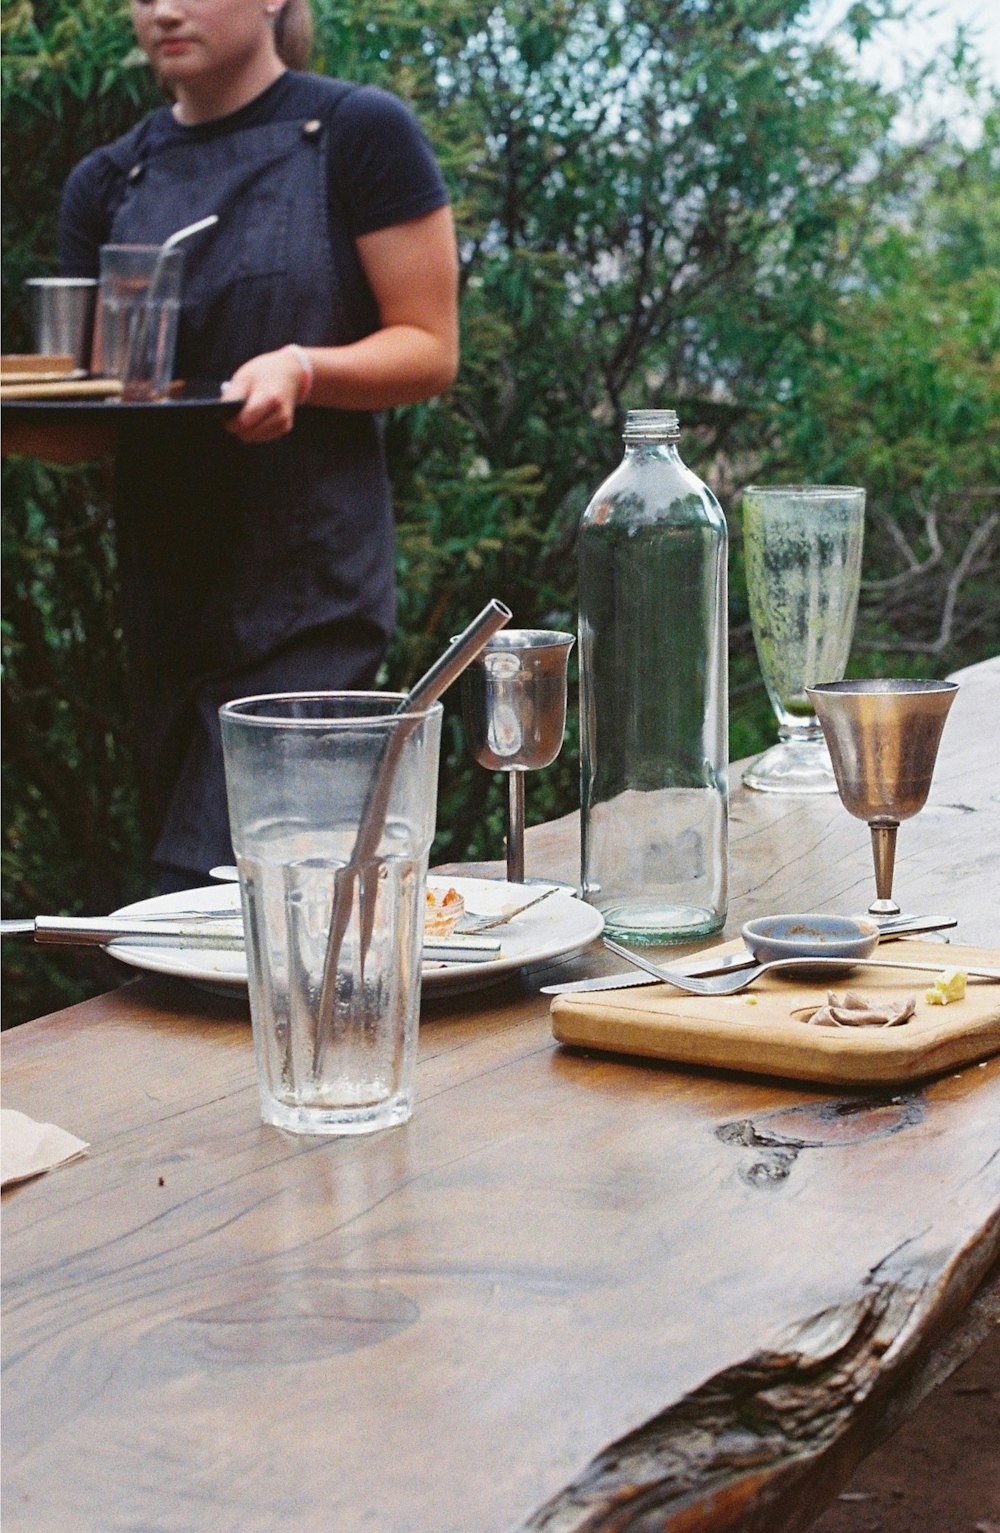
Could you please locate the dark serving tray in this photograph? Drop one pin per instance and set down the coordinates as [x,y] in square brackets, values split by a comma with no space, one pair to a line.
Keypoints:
[197,401]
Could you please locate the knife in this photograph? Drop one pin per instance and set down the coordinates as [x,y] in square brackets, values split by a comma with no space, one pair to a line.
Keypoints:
[95,931]
[631,979]
[217,932]
[900,926]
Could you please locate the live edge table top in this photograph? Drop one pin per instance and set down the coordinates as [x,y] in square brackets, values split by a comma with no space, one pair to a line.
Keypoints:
[576,1292]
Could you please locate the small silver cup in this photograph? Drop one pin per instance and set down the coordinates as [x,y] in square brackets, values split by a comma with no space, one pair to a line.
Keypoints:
[63,313]
[514,706]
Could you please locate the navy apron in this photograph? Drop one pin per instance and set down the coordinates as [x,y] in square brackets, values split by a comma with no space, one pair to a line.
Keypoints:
[234,556]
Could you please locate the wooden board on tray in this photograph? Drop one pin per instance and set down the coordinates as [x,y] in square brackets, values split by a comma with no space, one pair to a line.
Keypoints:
[71,388]
[756,1032]
[34,367]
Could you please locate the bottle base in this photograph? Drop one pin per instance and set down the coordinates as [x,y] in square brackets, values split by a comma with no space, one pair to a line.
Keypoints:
[659,926]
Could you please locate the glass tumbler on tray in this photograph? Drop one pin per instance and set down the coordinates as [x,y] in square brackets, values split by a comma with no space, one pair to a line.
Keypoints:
[138,313]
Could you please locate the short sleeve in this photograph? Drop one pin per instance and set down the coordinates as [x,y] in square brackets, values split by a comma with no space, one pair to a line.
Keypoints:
[85,216]
[383,170]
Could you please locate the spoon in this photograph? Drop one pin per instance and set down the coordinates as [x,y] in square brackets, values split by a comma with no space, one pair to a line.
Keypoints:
[770,937]
[732,984]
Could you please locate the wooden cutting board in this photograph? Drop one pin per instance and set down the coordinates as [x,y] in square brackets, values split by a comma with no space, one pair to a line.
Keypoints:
[80,388]
[755,1032]
[24,367]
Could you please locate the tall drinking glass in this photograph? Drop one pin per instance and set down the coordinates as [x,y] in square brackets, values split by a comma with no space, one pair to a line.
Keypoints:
[137,315]
[334,918]
[802,547]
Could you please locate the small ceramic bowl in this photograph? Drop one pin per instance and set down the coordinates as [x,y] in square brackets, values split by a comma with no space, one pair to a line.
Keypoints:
[810,936]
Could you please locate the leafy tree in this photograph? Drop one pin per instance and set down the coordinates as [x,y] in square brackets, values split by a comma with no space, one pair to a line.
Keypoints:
[899,391]
[660,203]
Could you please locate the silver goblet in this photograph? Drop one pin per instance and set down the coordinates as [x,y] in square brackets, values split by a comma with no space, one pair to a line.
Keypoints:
[883,738]
[514,707]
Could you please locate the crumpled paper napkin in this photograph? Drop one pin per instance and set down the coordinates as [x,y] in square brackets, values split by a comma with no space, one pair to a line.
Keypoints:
[28,1148]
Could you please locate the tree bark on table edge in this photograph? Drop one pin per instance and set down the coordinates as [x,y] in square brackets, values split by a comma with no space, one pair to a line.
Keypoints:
[719,1461]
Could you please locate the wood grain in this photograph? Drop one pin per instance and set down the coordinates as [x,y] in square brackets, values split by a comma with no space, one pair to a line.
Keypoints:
[576,1292]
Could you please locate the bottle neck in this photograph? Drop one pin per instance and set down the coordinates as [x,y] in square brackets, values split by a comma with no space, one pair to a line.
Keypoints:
[663,447]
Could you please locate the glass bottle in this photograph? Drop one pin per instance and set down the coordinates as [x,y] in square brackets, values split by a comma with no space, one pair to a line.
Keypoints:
[654,693]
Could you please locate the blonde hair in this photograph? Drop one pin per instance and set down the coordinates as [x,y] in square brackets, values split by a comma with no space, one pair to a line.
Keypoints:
[293,34]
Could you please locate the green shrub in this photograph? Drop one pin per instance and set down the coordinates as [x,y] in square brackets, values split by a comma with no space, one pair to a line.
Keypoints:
[659,204]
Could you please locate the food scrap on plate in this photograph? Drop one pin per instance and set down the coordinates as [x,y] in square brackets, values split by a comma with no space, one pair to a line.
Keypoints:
[443,911]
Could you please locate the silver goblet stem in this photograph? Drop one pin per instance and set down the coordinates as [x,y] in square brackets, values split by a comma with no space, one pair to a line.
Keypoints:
[883,834]
[515,827]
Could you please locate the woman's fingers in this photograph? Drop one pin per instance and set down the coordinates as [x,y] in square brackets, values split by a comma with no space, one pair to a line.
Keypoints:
[260,423]
[269,386]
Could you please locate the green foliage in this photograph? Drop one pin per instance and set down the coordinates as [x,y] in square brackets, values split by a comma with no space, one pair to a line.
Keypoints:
[897,388]
[72,79]
[660,203]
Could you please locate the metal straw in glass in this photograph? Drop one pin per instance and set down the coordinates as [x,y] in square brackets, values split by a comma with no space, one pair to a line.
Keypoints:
[460,653]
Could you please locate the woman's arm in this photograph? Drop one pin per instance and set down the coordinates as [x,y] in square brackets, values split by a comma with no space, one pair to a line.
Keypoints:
[412,269]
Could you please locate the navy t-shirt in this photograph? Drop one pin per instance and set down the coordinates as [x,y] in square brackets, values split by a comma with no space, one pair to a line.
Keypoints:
[382,168]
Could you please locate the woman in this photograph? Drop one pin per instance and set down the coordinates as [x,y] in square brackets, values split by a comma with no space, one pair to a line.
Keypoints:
[263,560]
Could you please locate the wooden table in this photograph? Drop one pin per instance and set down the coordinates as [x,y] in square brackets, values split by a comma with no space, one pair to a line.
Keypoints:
[576,1292]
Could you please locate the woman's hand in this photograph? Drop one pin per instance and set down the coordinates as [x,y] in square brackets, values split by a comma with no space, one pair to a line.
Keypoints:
[270,386]
[412,269]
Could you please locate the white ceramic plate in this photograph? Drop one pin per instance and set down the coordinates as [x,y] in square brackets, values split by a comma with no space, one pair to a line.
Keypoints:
[556,928]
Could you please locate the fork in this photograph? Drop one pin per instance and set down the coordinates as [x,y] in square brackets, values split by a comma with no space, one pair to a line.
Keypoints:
[223,928]
[468,925]
[487,923]
[732,984]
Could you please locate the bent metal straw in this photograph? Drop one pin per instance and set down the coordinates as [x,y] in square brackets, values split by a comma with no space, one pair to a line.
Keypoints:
[460,653]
